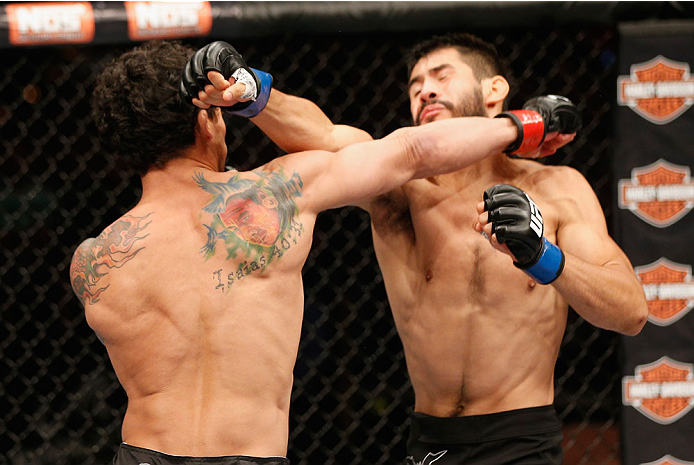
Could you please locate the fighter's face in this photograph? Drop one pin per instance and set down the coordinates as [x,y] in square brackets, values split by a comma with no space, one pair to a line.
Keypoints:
[443,86]
[254,220]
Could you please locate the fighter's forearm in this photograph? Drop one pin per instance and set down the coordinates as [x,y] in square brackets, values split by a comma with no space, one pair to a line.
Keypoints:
[296,124]
[607,296]
[452,144]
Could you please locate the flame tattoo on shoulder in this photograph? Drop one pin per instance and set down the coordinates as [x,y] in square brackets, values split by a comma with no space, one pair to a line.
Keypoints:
[115,246]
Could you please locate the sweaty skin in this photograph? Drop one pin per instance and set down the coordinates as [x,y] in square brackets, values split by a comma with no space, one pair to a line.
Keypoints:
[479,335]
[197,291]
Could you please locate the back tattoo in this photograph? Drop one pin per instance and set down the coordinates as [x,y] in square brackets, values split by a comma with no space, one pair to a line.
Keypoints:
[113,248]
[257,218]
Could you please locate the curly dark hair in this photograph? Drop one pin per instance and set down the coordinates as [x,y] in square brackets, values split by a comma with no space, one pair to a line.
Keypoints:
[481,56]
[137,109]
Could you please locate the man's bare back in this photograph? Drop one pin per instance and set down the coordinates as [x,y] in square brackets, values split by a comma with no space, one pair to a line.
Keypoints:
[203,326]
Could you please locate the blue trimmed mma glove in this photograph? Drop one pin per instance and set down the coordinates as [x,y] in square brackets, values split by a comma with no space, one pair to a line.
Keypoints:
[222,57]
[517,222]
[539,116]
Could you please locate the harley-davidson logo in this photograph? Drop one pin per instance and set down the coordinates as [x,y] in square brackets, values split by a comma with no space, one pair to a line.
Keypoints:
[669,460]
[659,90]
[662,391]
[669,290]
[660,193]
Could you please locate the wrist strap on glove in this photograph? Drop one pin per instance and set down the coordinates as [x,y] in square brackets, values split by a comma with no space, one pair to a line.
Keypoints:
[548,266]
[254,107]
[531,130]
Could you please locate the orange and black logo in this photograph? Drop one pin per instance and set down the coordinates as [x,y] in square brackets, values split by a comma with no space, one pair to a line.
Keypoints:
[668,460]
[660,193]
[168,20]
[669,290]
[662,391]
[50,23]
[659,90]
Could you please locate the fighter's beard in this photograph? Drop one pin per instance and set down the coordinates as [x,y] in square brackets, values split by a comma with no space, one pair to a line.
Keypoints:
[469,105]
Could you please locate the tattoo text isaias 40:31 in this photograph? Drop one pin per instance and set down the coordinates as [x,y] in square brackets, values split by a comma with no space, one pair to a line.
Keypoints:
[256,217]
[115,246]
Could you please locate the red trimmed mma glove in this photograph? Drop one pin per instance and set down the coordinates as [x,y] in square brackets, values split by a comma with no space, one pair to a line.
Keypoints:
[539,116]
[222,57]
[517,222]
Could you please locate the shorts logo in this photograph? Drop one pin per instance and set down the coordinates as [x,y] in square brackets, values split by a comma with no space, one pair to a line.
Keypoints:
[662,391]
[668,460]
[430,458]
[168,20]
[50,23]
[669,290]
[659,90]
[660,193]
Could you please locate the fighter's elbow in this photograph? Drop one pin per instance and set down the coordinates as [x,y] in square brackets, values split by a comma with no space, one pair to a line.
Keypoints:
[637,319]
[636,313]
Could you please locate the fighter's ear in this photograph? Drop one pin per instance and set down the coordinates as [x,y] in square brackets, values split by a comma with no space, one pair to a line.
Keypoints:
[495,89]
[204,123]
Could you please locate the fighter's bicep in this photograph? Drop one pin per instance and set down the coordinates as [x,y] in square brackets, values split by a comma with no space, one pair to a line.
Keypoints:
[590,244]
[583,230]
[351,175]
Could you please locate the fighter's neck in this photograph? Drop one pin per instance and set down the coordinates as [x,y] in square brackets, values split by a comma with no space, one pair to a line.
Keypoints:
[175,176]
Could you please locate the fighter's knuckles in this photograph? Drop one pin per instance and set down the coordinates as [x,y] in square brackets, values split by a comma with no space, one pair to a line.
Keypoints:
[483,218]
[223,58]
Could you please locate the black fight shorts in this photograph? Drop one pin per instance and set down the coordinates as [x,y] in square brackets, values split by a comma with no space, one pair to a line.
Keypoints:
[131,455]
[530,436]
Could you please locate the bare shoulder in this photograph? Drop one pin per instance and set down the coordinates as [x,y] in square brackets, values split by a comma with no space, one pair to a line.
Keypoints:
[278,176]
[95,257]
[569,191]
[558,181]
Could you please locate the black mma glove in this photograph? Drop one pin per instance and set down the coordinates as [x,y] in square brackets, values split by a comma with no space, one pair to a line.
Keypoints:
[517,222]
[539,116]
[222,57]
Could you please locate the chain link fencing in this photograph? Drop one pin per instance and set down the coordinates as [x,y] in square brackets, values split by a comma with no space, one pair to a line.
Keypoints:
[59,398]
